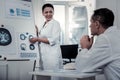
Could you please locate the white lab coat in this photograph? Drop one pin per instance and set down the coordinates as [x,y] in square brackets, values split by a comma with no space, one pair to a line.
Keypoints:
[51,53]
[104,55]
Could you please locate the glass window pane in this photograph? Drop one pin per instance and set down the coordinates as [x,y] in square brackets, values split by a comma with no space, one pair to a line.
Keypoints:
[78,23]
[59,15]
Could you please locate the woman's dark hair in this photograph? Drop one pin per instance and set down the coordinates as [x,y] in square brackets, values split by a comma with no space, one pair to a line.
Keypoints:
[104,16]
[47,5]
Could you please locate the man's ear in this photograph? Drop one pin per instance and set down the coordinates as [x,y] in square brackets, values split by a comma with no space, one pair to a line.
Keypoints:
[97,24]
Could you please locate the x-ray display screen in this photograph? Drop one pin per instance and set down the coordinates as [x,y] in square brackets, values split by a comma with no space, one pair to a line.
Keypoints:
[5,37]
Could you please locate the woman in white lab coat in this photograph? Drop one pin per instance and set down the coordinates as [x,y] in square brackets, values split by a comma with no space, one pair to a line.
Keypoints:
[104,54]
[49,38]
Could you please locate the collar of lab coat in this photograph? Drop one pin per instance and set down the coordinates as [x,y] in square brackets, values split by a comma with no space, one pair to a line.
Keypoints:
[44,26]
[110,29]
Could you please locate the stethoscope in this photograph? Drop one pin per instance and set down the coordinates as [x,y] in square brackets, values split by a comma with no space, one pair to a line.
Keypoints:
[40,55]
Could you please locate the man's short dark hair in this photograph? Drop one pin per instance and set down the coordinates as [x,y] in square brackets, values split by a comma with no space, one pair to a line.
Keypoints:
[104,16]
[47,5]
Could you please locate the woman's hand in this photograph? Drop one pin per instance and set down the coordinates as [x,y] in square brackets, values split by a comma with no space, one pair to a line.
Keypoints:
[33,40]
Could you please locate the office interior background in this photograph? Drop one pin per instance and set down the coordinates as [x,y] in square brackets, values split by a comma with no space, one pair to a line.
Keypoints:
[73,15]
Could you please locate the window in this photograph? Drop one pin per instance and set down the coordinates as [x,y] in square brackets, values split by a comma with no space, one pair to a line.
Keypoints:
[73,20]
[60,16]
[78,25]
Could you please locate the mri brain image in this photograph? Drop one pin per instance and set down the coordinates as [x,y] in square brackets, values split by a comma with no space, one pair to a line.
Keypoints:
[5,37]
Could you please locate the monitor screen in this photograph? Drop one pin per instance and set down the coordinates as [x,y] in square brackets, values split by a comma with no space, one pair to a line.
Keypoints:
[69,51]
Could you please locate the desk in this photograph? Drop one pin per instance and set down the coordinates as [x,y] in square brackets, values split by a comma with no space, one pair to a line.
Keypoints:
[64,73]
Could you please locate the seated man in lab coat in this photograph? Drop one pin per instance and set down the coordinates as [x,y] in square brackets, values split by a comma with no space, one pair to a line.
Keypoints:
[104,53]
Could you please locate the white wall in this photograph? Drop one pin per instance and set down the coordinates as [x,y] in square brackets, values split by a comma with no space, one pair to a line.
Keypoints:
[118,13]
[37,7]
